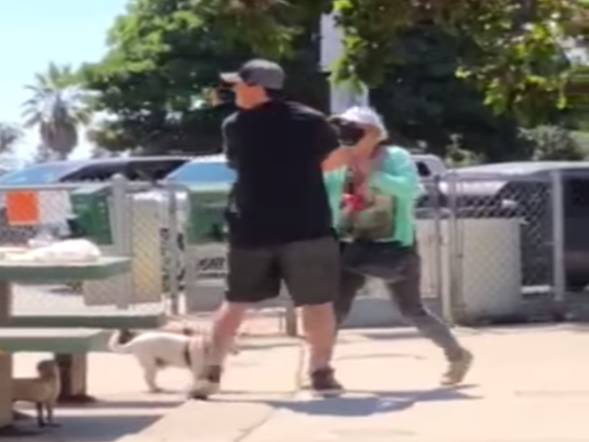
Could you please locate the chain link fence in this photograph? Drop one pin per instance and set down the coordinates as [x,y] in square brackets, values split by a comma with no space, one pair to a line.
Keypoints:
[501,245]
[493,247]
[571,238]
[118,218]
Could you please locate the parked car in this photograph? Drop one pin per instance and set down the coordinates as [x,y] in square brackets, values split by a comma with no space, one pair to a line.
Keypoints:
[524,190]
[79,171]
[214,169]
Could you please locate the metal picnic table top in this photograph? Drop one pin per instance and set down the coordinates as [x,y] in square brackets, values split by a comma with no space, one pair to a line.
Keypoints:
[47,272]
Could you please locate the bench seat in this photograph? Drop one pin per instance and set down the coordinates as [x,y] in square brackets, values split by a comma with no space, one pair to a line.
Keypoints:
[70,347]
[53,340]
[124,320]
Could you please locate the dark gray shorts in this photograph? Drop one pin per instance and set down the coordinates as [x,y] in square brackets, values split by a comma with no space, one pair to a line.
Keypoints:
[310,269]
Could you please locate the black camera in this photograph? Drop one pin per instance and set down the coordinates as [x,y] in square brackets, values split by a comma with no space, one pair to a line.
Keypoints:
[348,133]
[221,95]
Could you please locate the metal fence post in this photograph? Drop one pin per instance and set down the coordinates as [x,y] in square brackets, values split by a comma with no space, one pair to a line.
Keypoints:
[443,294]
[290,319]
[454,301]
[173,252]
[559,279]
[122,233]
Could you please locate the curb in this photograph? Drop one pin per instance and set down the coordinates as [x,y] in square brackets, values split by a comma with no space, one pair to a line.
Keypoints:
[239,411]
[208,422]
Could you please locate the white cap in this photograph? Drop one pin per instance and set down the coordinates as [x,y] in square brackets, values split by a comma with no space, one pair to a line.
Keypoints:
[365,116]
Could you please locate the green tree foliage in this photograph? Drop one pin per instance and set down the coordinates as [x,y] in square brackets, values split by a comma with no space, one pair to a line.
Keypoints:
[425,103]
[414,54]
[165,55]
[457,72]
[515,55]
[576,115]
[553,143]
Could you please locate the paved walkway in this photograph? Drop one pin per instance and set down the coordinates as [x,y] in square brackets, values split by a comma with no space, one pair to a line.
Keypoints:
[124,407]
[529,384]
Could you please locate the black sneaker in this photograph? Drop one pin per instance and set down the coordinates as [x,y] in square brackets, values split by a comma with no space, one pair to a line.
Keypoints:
[209,383]
[324,383]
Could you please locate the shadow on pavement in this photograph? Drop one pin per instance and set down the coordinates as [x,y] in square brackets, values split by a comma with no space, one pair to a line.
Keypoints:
[386,335]
[268,345]
[381,356]
[496,330]
[156,402]
[93,428]
[527,328]
[358,403]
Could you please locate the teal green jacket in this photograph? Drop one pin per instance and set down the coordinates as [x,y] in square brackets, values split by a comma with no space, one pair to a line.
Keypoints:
[397,177]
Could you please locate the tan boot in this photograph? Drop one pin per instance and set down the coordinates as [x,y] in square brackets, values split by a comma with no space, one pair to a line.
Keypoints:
[458,369]
[203,389]
[209,383]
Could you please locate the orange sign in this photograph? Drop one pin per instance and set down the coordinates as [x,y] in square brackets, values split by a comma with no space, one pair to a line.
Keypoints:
[22,207]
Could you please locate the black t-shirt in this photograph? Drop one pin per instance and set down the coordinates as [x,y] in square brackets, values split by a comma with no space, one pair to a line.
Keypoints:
[279,196]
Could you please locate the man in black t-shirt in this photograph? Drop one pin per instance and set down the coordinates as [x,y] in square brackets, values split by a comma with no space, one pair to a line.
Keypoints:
[279,219]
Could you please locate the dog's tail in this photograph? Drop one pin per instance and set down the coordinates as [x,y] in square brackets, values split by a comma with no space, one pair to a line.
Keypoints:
[121,341]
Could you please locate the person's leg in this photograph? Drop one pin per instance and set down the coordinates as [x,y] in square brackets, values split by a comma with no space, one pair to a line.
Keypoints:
[406,292]
[252,277]
[311,271]
[350,285]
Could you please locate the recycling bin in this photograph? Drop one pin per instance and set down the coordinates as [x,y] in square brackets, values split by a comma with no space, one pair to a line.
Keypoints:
[206,214]
[206,248]
[91,213]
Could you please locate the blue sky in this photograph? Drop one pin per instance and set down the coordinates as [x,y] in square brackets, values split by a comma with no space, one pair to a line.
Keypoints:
[36,32]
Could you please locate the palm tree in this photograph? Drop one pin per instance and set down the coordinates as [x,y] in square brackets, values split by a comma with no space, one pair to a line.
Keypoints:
[57,109]
[10,135]
[43,154]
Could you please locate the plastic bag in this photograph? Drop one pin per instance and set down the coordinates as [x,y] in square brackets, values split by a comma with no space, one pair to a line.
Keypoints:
[71,250]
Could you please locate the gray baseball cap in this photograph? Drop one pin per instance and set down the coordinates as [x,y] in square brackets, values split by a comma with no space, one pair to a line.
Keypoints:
[258,72]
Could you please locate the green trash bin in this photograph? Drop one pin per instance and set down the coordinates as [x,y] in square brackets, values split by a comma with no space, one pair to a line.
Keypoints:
[90,208]
[206,213]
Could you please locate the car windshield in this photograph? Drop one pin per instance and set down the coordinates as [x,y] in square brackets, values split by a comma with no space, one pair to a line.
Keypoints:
[203,172]
[38,174]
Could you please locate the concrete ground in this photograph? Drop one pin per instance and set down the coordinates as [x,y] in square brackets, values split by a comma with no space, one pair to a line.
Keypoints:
[124,407]
[528,384]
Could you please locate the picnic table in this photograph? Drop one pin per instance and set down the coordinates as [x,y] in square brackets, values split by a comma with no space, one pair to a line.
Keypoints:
[18,339]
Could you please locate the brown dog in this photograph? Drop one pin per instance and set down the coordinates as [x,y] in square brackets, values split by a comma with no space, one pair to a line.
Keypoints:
[42,391]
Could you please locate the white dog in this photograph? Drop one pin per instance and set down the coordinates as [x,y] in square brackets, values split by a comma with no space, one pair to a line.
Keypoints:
[157,350]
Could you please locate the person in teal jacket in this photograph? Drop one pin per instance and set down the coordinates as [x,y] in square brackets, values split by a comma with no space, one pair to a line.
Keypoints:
[372,189]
